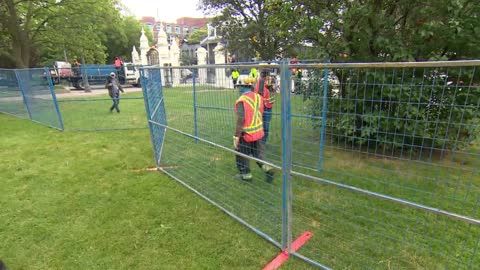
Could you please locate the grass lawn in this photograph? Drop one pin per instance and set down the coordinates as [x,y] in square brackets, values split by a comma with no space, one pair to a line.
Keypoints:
[82,200]
[351,230]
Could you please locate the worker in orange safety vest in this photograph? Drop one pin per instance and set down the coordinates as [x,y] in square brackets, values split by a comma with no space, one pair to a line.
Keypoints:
[248,133]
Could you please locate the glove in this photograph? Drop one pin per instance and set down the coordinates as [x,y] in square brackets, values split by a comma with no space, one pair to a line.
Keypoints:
[236,142]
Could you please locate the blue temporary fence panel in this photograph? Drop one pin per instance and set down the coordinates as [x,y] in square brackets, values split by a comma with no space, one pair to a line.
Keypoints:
[378,162]
[155,108]
[11,98]
[39,97]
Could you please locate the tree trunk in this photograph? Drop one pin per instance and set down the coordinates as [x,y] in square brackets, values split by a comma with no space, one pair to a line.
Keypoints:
[20,40]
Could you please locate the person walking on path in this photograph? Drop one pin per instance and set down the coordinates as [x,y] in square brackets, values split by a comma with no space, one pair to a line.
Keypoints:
[249,132]
[114,88]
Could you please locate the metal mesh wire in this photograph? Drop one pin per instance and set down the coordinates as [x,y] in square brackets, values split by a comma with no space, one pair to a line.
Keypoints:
[11,98]
[406,133]
[39,97]
[384,160]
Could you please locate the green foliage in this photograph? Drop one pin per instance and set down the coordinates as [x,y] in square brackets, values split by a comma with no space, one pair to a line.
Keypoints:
[52,30]
[398,109]
[122,36]
[371,30]
[187,59]
[245,25]
[197,35]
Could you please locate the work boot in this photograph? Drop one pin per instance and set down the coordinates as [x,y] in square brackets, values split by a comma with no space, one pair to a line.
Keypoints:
[269,173]
[244,176]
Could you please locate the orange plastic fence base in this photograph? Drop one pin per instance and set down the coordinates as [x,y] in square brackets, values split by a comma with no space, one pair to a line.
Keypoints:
[283,256]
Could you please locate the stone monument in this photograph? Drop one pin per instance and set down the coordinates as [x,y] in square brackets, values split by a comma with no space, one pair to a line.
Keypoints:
[163,55]
[202,60]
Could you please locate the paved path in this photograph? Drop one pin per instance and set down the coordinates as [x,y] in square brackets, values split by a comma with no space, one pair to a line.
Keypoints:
[72,93]
[95,92]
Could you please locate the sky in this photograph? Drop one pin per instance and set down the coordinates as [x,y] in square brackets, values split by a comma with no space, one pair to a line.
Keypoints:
[168,10]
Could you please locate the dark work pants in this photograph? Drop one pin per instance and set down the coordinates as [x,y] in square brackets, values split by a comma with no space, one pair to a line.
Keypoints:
[247,148]
[116,102]
[266,118]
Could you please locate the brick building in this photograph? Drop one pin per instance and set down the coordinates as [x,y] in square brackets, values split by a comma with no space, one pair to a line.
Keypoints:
[179,29]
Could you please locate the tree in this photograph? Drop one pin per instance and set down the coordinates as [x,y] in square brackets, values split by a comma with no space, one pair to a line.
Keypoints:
[393,30]
[197,35]
[122,36]
[244,25]
[40,31]
[188,58]
[389,30]
[28,26]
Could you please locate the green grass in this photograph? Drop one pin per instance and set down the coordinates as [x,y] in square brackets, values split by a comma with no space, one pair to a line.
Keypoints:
[82,200]
[351,231]
[92,113]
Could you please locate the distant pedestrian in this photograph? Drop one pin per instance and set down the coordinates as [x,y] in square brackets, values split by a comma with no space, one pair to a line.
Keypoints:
[118,64]
[235,75]
[76,68]
[114,88]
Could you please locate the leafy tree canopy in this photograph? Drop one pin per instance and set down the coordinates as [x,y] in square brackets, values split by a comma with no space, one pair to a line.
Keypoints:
[37,32]
[197,35]
[345,30]
[245,26]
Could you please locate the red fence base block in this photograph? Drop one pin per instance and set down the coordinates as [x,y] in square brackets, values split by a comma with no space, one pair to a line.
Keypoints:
[283,256]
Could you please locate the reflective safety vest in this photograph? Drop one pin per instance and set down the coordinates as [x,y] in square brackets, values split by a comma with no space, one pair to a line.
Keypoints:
[268,98]
[253,108]
[253,73]
[235,74]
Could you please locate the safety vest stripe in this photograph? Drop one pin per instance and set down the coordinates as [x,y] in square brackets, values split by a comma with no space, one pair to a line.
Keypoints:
[256,110]
[256,123]
[249,101]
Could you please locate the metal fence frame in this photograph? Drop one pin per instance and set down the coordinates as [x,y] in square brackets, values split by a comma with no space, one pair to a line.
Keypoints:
[286,166]
[36,87]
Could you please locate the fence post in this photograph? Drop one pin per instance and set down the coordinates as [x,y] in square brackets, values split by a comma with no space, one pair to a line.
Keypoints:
[54,97]
[149,115]
[324,119]
[286,157]
[195,127]
[23,91]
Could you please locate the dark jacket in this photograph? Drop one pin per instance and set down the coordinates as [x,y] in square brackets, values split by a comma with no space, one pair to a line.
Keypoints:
[114,87]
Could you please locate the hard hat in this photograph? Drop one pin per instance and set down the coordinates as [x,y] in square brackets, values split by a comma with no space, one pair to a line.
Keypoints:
[249,80]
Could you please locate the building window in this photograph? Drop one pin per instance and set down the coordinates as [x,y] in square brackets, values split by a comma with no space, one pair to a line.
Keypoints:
[185,30]
[169,28]
[159,27]
[177,30]
[150,26]
[194,29]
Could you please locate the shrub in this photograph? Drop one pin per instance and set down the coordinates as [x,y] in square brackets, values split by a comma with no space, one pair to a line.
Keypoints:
[408,109]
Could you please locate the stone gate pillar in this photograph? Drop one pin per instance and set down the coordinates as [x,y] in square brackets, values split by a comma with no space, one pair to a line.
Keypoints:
[220,76]
[202,60]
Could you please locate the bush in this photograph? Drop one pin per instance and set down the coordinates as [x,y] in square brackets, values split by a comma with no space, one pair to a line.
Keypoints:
[412,110]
